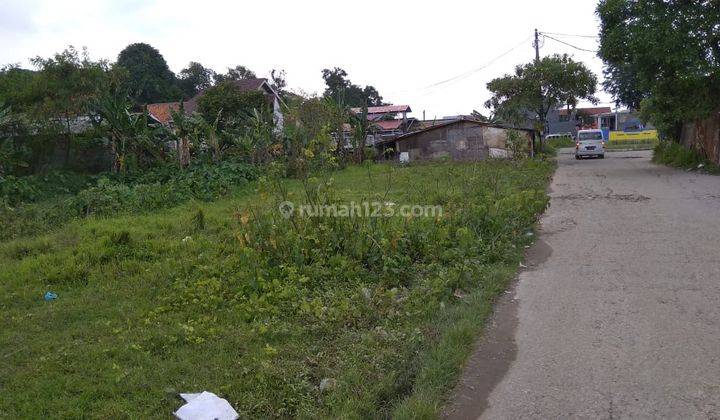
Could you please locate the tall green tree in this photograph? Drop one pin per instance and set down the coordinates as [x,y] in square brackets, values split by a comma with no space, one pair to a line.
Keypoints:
[236,73]
[341,89]
[536,88]
[662,57]
[194,78]
[65,85]
[233,106]
[150,78]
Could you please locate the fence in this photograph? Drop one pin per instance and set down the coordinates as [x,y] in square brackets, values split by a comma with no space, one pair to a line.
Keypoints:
[704,137]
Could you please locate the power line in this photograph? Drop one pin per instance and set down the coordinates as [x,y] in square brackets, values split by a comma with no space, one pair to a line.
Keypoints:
[466,74]
[570,35]
[568,44]
[484,66]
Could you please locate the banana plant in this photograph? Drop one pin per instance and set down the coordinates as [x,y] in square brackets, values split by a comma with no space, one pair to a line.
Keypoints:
[127,132]
[183,127]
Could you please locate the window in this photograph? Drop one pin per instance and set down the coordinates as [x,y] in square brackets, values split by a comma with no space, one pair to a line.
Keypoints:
[564,118]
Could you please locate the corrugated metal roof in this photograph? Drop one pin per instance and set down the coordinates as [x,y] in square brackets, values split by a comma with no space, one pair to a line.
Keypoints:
[389,124]
[386,109]
[445,124]
[587,111]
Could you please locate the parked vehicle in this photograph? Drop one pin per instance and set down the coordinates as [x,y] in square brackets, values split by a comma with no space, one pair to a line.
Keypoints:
[590,143]
[559,136]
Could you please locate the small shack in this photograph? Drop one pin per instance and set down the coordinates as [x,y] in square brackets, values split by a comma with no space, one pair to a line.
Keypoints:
[462,139]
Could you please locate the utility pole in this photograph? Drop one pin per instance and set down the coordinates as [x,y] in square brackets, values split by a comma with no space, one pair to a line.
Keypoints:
[537,61]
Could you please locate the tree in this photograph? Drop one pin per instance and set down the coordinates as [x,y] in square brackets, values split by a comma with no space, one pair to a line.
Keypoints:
[236,73]
[194,78]
[65,85]
[232,104]
[341,89]
[662,57]
[278,82]
[540,86]
[150,78]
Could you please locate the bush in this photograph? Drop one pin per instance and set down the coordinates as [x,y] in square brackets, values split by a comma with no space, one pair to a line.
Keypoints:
[113,194]
[676,155]
[35,188]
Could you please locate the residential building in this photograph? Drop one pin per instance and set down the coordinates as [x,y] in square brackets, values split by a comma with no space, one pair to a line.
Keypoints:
[460,139]
[162,111]
[387,122]
[564,120]
[623,120]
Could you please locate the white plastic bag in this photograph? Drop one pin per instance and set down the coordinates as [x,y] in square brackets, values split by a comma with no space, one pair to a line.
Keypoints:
[205,406]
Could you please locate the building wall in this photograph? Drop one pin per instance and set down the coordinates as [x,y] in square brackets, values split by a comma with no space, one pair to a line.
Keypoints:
[464,141]
[704,136]
[555,126]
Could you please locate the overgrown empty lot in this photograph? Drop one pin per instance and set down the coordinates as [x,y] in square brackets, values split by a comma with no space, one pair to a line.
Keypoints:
[233,298]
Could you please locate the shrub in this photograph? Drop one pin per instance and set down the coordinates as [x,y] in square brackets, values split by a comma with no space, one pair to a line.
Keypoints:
[676,155]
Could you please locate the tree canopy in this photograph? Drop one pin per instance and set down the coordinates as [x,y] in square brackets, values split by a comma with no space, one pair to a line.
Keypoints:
[341,89]
[150,78]
[662,57]
[231,104]
[194,78]
[236,73]
[537,87]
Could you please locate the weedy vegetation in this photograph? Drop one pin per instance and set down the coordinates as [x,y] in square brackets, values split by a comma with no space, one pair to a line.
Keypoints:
[232,297]
[676,155]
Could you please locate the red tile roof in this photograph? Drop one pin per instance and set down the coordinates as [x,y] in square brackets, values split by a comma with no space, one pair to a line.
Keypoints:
[588,111]
[161,111]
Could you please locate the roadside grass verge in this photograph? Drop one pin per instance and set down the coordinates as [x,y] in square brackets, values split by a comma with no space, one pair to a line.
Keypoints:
[560,142]
[233,298]
[675,155]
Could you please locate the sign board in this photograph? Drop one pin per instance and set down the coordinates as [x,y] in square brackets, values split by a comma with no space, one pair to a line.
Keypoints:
[646,135]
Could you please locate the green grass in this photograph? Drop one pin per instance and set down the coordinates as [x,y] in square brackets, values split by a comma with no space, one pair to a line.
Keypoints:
[560,142]
[231,298]
[631,145]
[675,155]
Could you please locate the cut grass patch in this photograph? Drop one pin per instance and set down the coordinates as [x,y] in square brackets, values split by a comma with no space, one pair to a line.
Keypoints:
[232,298]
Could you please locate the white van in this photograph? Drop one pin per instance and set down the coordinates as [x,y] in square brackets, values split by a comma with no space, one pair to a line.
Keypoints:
[590,143]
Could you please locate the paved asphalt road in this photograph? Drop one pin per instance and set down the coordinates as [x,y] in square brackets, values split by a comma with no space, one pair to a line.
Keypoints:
[622,319]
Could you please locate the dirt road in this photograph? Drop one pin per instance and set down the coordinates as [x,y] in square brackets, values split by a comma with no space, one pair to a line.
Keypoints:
[622,318]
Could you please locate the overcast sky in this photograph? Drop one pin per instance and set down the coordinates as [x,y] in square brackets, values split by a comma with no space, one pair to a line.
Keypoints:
[403,48]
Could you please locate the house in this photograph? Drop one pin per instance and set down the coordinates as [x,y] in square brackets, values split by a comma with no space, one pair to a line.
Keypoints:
[386,123]
[564,120]
[622,120]
[161,112]
[461,139]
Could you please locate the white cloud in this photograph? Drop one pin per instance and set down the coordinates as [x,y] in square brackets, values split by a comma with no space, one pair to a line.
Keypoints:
[400,47]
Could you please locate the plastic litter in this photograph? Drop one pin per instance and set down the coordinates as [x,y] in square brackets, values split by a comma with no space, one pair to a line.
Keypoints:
[50,296]
[205,406]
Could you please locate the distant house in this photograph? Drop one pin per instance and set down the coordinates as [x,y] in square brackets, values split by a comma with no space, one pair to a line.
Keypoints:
[623,120]
[385,123]
[461,139]
[562,121]
[161,112]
